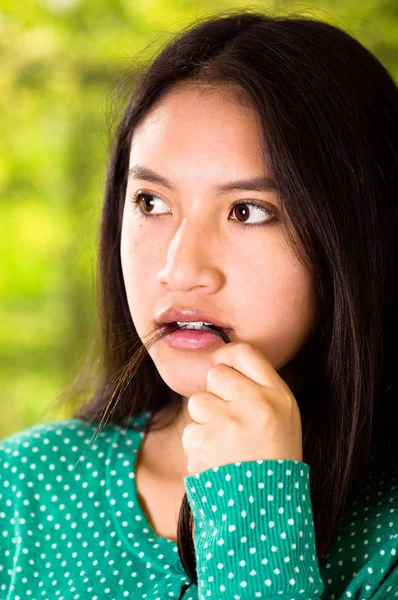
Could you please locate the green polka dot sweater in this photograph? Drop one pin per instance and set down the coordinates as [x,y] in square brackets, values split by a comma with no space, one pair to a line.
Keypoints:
[71,527]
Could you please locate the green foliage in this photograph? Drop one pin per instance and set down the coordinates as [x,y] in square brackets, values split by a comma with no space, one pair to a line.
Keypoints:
[60,60]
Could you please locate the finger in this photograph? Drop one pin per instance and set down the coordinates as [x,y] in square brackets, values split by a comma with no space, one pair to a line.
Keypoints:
[231,385]
[249,361]
[205,407]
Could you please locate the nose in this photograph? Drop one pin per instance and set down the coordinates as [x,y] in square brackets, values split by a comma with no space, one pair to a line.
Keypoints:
[190,262]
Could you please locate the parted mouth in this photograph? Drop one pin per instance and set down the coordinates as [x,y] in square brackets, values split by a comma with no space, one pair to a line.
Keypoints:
[195,325]
[174,326]
[189,318]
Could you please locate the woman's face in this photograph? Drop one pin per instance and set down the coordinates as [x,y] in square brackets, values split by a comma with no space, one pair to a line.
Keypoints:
[200,253]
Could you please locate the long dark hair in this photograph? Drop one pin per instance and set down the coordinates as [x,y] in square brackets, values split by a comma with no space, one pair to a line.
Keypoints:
[329,114]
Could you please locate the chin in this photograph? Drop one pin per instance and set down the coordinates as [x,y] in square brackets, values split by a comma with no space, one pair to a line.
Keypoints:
[185,389]
[184,384]
[186,375]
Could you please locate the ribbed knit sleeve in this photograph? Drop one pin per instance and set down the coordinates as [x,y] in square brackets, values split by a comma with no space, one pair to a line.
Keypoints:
[254,534]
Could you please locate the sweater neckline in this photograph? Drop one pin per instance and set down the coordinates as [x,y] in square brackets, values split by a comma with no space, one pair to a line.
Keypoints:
[133,527]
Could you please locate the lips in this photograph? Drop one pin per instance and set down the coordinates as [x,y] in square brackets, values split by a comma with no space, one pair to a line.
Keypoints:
[173,314]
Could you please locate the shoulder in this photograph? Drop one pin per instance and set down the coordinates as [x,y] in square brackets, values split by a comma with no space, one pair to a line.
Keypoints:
[376,507]
[62,443]
[42,437]
[47,461]
[54,447]
[364,554]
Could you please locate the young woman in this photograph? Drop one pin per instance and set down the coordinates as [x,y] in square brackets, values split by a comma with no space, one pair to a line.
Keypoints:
[240,441]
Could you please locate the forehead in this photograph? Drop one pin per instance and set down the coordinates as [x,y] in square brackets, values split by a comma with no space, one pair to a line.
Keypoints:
[201,121]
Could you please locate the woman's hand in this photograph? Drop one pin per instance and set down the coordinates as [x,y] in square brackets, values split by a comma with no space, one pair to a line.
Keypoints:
[247,413]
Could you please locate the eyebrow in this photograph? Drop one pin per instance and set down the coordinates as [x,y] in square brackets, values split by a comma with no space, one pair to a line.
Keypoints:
[253,184]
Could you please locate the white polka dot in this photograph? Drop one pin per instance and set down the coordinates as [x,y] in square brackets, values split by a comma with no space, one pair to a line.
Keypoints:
[68,502]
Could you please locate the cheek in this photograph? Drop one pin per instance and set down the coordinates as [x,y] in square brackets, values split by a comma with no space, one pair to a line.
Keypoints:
[130,249]
[293,298]
[138,255]
[285,282]
[132,242]
[281,310]
[136,271]
[296,310]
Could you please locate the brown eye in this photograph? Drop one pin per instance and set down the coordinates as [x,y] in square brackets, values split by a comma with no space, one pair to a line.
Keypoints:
[146,203]
[243,211]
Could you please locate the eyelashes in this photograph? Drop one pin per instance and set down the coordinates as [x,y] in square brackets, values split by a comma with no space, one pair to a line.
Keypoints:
[139,197]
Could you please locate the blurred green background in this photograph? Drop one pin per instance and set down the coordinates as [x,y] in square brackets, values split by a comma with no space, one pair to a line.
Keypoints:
[60,61]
